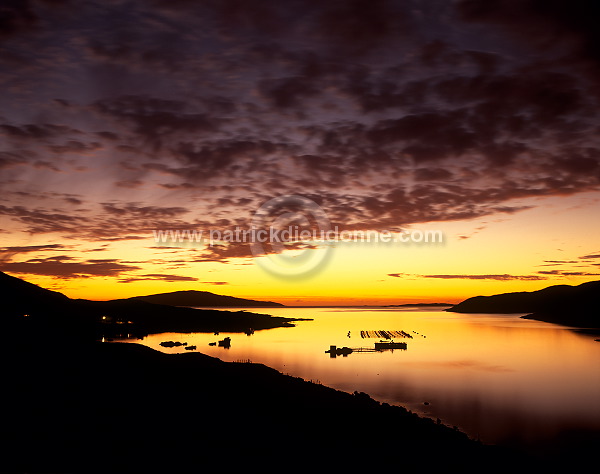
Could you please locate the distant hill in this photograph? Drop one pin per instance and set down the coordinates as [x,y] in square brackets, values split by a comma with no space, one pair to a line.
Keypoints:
[563,304]
[411,305]
[204,299]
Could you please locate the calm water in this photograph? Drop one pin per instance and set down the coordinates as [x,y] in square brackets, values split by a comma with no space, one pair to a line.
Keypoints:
[497,377]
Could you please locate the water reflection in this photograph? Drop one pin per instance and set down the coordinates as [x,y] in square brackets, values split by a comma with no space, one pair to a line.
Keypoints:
[498,377]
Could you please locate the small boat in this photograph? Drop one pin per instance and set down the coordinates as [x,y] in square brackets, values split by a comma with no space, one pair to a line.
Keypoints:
[190,348]
[336,351]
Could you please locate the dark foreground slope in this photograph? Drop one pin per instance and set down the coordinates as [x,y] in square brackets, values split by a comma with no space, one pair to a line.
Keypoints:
[563,304]
[204,298]
[93,407]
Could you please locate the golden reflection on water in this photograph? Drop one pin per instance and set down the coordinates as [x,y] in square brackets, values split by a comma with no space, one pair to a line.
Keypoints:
[497,377]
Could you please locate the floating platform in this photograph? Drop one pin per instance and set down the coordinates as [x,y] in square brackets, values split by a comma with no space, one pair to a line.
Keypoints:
[380,346]
[384,346]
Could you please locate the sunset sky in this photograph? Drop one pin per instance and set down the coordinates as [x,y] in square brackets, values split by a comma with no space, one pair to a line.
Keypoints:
[476,118]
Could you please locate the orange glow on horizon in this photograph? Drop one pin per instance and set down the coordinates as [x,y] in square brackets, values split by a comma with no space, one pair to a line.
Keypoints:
[525,251]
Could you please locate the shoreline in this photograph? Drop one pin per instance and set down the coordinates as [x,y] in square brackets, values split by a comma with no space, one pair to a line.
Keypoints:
[124,407]
[580,323]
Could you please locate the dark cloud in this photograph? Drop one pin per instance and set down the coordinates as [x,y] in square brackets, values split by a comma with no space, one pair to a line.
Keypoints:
[427,136]
[503,277]
[208,159]
[32,248]
[36,131]
[288,92]
[154,119]
[63,267]
[564,273]
[157,276]
[8,159]
[42,221]
[17,16]
[432,174]
[386,112]
[590,256]
[357,27]
[120,238]
[136,211]
[74,146]
[224,252]
[564,26]
[73,200]
[129,183]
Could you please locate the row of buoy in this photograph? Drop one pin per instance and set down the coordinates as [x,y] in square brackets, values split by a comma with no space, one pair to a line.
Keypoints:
[384,334]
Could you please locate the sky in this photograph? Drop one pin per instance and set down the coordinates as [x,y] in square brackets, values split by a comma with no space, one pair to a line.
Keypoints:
[478,119]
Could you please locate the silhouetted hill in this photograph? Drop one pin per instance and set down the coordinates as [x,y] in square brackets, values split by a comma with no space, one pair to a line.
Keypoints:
[563,304]
[203,298]
[23,297]
[85,318]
